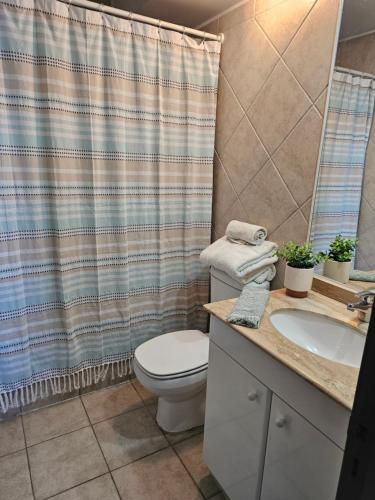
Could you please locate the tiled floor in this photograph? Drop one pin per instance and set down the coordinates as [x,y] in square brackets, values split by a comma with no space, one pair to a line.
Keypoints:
[104,445]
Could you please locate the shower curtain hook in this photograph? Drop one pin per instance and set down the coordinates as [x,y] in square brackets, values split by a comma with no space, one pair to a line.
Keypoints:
[159,25]
[183,33]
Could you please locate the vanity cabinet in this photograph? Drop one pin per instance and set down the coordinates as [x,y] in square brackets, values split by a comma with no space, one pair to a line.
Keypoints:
[301,463]
[269,434]
[236,423]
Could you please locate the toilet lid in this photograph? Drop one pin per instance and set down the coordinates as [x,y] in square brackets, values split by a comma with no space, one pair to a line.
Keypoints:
[173,353]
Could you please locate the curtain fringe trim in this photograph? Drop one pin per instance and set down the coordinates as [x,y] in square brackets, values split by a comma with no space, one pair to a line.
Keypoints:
[64,384]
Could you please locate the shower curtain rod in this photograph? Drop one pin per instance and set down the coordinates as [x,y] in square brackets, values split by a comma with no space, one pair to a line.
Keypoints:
[87,4]
[355,72]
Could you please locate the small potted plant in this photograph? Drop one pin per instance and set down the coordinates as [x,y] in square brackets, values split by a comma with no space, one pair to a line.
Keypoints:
[338,259]
[299,271]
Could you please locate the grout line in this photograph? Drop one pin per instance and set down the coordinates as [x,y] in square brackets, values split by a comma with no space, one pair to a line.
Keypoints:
[188,472]
[101,451]
[59,436]
[139,459]
[28,459]
[295,34]
[76,486]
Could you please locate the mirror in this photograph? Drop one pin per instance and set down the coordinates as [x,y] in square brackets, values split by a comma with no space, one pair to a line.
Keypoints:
[344,201]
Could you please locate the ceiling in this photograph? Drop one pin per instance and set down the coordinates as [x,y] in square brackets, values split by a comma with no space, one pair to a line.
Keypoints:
[358,17]
[186,12]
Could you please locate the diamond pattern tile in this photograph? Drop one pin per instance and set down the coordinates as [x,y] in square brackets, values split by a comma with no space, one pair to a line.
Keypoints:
[247,59]
[297,157]
[267,200]
[309,54]
[244,155]
[283,21]
[278,107]
[228,114]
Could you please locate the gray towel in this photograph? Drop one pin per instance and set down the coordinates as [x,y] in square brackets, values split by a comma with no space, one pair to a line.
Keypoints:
[249,308]
[362,275]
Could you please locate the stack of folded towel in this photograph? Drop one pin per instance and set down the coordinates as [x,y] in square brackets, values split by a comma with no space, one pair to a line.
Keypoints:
[245,255]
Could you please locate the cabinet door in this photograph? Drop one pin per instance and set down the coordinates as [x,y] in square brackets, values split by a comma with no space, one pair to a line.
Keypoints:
[237,414]
[301,462]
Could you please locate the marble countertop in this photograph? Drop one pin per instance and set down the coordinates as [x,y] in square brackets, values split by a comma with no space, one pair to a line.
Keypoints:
[337,380]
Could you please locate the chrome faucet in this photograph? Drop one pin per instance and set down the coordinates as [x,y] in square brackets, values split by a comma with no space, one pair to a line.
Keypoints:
[364,305]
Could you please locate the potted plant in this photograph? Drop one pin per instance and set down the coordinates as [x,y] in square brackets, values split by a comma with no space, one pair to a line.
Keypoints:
[299,271]
[338,259]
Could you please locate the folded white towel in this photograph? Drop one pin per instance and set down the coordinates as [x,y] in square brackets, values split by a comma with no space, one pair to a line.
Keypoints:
[241,232]
[244,263]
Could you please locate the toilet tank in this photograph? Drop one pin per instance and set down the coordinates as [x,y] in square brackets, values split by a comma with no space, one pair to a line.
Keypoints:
[223,286]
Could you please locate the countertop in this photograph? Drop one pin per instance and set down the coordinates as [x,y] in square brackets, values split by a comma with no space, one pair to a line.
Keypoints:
[337,380]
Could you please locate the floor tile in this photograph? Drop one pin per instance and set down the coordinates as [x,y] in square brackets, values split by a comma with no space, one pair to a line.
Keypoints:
[101,488]
[147,396]
[108,403]
[160,476]
[128,437]
[191,454]
[177,437]
[54,421]
[14,477]
[11,436]
[152,408]
[64,462]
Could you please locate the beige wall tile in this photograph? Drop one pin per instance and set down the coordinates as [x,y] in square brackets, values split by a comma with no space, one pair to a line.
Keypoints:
[309,54]
[320,103]
[14,477]
[297,158]
[223,195]
[64,462]
[160,476]
[262,5]
[282,22]
[266,199]
[294,228]
[111,402]
[278,107]
[247,59]
[228,113]
[11,436]
[244,155]
[237,16]
[277,103]
[306,209]
[235,212]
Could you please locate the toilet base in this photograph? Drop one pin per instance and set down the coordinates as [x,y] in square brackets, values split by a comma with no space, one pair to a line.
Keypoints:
[178,416]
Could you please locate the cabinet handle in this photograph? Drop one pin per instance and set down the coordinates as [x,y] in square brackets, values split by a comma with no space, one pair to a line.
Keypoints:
[253,395]
[280,421]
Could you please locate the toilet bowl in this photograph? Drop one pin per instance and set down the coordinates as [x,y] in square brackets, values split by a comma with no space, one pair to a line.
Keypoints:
[173,366]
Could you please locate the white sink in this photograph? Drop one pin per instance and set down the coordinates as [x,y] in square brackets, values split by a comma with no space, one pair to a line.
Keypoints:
[320,335]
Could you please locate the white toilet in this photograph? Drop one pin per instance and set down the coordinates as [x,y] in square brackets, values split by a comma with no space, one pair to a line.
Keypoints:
[173,366]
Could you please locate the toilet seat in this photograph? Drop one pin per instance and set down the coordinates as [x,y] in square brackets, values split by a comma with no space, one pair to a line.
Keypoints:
[173,355]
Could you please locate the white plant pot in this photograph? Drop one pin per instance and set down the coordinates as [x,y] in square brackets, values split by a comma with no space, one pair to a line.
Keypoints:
[338,271]
[298,281]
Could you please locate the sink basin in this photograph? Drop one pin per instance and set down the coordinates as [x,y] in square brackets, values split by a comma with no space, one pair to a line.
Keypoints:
[320,335]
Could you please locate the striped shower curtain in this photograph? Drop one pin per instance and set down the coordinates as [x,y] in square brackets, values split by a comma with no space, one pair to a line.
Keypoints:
[339,186]
[107,136]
